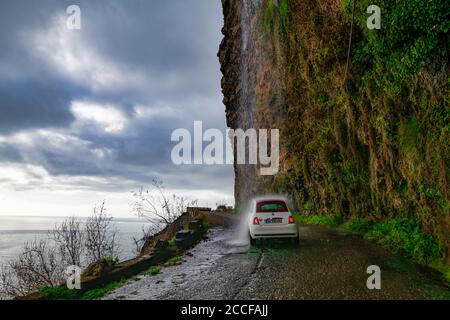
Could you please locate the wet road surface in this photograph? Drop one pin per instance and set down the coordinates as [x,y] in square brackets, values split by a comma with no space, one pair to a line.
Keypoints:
[326,265]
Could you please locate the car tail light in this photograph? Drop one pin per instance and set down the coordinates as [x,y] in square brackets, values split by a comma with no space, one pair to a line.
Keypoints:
[291,219]
[255,220]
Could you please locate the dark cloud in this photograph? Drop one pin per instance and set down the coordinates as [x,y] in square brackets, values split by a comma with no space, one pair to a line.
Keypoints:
[32,105]
[168,46]
[9,153]
[176,39]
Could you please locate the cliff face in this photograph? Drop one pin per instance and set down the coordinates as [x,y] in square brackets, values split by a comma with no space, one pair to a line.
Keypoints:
[251,81]
[372,143]
[239,101]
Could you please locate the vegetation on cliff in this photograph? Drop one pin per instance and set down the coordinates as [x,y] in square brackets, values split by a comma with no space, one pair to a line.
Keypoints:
[372,145]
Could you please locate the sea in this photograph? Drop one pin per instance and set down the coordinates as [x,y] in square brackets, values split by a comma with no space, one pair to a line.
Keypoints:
[15,231]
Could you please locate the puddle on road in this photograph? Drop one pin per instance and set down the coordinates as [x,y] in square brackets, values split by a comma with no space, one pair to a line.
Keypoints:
[237,246]
[196,265]
[223,254]
[239,240]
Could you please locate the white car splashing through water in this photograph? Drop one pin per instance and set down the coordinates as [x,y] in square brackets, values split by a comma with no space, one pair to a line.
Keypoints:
[269,217]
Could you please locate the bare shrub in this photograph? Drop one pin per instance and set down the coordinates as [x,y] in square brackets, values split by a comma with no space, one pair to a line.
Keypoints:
[69,238]
[223,206]
[160,209]
[147,232]
[37,266]
[101,239]
[9,284]
[43,263]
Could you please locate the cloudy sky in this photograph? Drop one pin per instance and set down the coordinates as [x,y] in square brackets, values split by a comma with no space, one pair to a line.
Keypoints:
[86,115]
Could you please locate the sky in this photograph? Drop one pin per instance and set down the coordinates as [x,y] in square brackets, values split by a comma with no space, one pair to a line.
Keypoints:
[87,115]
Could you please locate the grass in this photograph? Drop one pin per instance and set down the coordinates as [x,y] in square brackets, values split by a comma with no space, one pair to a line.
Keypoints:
[402,236]
[113,260]
[153,271]
[329,221]
[430,290]
[284,16]
[174,261]
[276,18]
[206,225]
[405,236]
[357,226]
[172,242]
[399,264]
[62,293]
[97,294]
[447,275]
[268,20]
[59,293]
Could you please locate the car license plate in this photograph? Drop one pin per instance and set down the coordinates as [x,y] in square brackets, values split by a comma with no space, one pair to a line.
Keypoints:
[273,220]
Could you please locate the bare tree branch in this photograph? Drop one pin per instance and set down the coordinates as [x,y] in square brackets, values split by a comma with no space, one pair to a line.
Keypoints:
[69,238]
[37,266]
[159,210]
[101,239]
[42,263]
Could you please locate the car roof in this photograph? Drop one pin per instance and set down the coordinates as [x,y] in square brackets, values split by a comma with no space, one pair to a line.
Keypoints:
[269,197]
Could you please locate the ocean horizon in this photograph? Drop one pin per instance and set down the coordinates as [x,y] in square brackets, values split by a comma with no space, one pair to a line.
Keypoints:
[15,231]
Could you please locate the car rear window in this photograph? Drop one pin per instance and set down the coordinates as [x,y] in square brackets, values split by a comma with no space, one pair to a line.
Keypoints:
[271,206]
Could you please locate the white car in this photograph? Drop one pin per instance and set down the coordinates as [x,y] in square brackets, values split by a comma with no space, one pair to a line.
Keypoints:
[269,217]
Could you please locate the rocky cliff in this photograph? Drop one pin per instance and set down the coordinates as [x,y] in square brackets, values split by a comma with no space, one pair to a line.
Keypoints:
[251,83]
[371,142]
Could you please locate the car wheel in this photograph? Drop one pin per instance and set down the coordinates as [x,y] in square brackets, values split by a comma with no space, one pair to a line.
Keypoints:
[252,241]
[296,240]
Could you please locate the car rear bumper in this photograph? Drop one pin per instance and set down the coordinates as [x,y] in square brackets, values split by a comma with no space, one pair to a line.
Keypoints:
[283,231]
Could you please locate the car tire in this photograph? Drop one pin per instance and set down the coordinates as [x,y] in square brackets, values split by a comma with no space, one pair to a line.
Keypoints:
[252,241]
[296,240]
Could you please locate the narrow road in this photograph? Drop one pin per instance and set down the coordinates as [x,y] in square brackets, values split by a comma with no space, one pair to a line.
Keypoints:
[326,265]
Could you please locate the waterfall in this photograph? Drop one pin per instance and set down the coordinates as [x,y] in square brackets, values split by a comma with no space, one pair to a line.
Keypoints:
[246,173]
[248,10]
